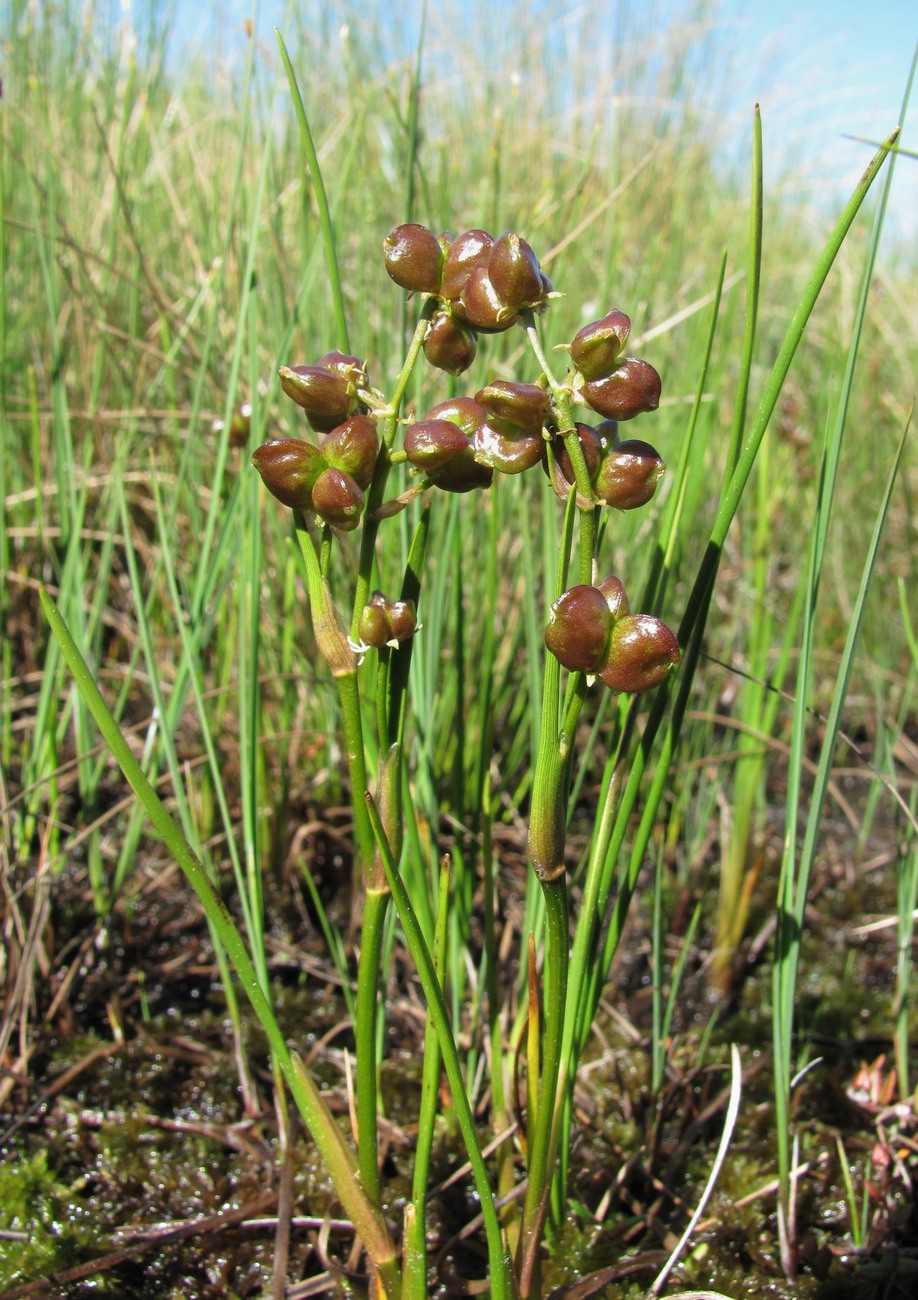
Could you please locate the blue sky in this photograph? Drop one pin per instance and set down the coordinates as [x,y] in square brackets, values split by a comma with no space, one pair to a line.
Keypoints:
[821,70]
[824,71]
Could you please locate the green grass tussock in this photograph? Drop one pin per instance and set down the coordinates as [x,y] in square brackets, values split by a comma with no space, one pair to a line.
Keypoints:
[162,255]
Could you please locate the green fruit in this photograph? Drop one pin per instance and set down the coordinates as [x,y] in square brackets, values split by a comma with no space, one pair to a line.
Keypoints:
[384,622]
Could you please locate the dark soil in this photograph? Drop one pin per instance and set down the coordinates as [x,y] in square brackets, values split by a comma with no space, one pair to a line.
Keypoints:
[133,1167]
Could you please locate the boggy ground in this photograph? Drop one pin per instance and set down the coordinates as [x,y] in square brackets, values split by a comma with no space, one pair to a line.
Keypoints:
[131,1168]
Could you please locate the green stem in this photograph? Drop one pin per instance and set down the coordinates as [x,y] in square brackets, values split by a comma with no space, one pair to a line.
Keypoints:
[325,219]
[547,837]
[336,1155]
[371,941]
[561,397]
[414,1260]
[333,644]
[383,465]
[539,1172]
[498,1256]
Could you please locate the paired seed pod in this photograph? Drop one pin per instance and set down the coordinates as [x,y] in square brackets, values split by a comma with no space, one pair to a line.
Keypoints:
[327,391]
[616,387]
[623,474]
[329,479]
[440,446]
[591,629]
[510,438]
[387,622]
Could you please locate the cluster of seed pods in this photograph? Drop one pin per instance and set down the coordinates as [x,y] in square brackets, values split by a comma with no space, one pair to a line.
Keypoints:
[479,285]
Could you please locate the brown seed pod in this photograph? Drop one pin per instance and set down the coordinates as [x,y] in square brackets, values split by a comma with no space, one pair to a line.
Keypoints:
[322,393]
[289,468]
[525,405]
[462,411]
[353,447]
[450,344]
[597,347]
[506,447]
[338,499]
[579,628]
[632,388]
[642,653]
[441,450]
[350,368]
[481,307]
[613,590]
[414,258]
[468,250]
[628,474]
[515,273]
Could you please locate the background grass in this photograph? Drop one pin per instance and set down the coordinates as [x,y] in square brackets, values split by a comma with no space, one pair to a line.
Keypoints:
[161,257]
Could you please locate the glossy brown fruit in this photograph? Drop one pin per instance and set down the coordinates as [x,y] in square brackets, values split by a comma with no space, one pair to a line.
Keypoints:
[632,388]
[515,273]
[579,628]
[525,405]
[450,344]
[481,307]
[338,499]
[642,653]
[597,347]
[323,394]
[506,447]
[441,450]
[289,467]
[353,447]
[628,474]
[414,258]
[468,250]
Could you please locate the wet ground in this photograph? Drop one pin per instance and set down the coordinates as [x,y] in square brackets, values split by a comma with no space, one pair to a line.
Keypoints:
[131,1168]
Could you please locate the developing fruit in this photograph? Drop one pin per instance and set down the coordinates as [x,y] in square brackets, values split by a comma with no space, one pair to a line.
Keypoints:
[414,258]
[632,388]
